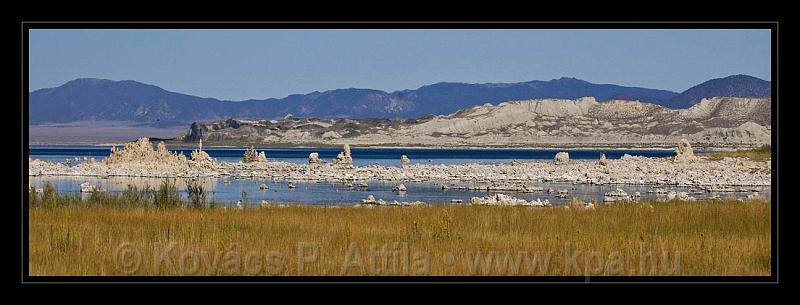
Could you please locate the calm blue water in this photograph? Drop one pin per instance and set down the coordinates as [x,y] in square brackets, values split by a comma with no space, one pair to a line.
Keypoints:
[363,156]
[338,193]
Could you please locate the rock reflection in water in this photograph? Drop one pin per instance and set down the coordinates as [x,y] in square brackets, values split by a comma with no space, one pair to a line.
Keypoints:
[278,191]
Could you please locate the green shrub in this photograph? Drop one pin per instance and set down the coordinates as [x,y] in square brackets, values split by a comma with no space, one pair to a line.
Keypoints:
[167,195]
[133,196]
[49,196]
[197,195]
[33,200]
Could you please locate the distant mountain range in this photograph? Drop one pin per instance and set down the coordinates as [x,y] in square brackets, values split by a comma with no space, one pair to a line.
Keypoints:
[89,99]
[731,86]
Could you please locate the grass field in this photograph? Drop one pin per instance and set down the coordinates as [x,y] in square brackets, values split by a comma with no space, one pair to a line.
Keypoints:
[105,236]
[763,153]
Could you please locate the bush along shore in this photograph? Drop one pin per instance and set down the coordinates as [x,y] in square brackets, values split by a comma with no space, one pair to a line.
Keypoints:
[763,153]
[155,232]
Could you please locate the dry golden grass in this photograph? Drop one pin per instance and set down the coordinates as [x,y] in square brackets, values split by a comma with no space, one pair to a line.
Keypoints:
[710,238]
[763,153]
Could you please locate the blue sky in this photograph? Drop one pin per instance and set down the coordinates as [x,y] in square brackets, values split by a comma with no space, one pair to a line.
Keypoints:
[258,64]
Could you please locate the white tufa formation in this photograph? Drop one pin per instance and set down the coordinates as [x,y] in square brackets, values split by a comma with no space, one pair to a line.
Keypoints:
[87,187]
[603,160]
[344,158]
[561,158]
[250,156]
[701,173]
[201,159]
[313,158]
[371,201]
[616,195]
[505,200]
[141,156]
[404,160]
[684,150]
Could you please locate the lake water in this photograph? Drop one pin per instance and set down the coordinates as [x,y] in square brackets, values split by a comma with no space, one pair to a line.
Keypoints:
[362,156]
[325,193]
[229,190]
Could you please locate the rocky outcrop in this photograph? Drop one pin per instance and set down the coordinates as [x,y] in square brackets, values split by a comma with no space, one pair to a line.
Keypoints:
[140,156]
[562,157]
[714,122]
[616,195]
[404,160]
[730,112]
[313,158]
[370,201]
[505,200]
[87,187]
[250,156]
[672,195]
[202,160]
[141,151]
[399,188]
[603,161]
[684,150]
[344,159]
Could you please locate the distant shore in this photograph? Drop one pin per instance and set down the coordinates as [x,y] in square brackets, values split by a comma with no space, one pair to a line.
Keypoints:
[174,144]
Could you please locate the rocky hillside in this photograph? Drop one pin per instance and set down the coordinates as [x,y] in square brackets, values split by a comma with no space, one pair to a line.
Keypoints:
[715,122]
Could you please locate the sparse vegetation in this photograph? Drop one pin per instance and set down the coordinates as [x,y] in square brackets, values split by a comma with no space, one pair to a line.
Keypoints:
[763,153]
[68,236]
[197,195]
[167,195]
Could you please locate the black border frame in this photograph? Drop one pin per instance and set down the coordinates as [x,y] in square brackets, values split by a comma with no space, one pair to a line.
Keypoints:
[773,26]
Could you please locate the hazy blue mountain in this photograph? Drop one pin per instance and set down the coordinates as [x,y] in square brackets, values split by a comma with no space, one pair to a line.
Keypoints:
[89,99]
[731,86]
[99,99]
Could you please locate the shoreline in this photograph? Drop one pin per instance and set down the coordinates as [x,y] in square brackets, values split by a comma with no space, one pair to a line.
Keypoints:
[547,148]
[627,170]
[138,159]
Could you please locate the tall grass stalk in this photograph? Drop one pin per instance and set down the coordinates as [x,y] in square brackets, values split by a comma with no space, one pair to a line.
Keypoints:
[712,237]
